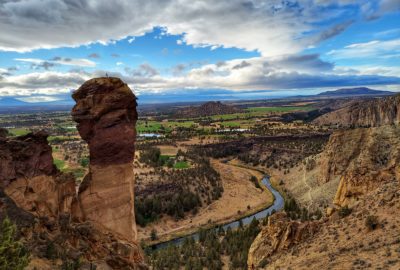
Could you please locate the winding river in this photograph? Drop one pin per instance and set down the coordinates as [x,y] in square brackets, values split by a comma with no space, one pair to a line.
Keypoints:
[276,206]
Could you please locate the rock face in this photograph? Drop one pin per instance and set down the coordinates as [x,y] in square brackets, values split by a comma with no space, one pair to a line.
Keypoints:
[280,234]
[372,113]
[363,158]
[105,111]
[30,179]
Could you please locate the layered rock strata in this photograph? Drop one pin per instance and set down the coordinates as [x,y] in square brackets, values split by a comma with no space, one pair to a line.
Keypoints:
[372,113]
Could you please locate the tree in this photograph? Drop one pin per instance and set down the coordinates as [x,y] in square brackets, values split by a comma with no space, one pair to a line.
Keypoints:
[153,235]
[13,254]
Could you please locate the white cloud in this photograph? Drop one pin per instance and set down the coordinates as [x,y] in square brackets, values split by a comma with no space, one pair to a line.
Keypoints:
[273,27]
[35,99]
[258,73]
[41,83]
[374,49]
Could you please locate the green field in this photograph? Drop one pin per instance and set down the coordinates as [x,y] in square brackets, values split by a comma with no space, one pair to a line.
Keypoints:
[280,109]
[154,126]
[60,164]
[181,165]
[231,124]
[19,131]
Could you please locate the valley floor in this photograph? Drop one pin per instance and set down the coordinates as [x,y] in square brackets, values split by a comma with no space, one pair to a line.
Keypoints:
[240,198]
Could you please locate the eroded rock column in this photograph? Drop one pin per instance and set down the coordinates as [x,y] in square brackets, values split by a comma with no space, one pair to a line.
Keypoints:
[106,114]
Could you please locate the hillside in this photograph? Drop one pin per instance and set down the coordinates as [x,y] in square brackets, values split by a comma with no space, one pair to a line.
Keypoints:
[375,112]
[207,109]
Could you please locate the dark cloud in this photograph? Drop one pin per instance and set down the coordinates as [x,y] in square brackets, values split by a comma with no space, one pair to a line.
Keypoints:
[243,64]
[94,55]
[303,63]
[46,65]
[334,31]
[144,70]
[178,69]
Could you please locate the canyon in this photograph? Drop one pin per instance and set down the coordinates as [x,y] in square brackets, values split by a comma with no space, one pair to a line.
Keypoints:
[361,168]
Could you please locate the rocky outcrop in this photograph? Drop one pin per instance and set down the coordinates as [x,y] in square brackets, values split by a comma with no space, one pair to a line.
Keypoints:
[371,113]
[280,234]
[362,158]
[105,111]
[97,225]
[29,177]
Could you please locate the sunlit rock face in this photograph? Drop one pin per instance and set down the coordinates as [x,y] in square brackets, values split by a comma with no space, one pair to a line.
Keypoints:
[106,114]
[373,113]
[280,234]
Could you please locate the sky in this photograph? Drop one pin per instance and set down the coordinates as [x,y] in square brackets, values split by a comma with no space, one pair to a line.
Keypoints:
[194,50]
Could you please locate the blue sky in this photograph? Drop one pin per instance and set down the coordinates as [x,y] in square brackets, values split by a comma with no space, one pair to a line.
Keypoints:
[198,50]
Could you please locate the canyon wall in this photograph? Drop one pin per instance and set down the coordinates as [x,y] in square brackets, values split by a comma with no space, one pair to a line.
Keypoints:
[372,113]
[367,162]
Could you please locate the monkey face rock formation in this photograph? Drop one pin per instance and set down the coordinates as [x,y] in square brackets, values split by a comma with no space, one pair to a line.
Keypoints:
[105,111]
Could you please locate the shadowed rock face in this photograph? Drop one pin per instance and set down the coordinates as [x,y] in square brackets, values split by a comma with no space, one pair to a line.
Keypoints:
[25,156]
[29,177]
[105,111]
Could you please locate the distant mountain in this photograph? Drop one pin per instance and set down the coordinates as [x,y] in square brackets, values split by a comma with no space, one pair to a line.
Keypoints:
[357,91]
[207,109]
[11,102]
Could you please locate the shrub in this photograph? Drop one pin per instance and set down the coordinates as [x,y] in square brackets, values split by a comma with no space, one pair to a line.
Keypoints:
[344,211]
[371,222]
[13,254]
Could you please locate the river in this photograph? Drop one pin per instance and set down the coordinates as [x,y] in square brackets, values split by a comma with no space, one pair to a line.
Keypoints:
[276,206]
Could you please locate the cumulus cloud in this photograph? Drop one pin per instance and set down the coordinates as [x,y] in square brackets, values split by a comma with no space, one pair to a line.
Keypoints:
[271,27]
[41,83]
[258,73]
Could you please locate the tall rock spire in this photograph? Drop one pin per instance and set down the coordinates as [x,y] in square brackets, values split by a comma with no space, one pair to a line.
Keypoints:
[106,114]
